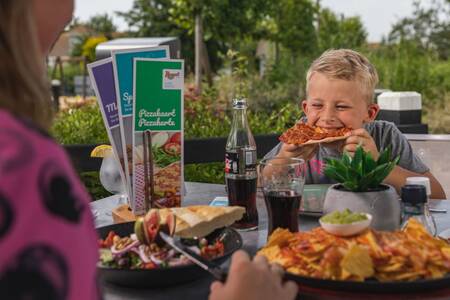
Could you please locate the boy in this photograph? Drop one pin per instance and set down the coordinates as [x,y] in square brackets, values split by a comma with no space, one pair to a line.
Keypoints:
[339,91]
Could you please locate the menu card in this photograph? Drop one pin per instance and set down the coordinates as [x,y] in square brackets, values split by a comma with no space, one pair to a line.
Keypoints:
[158,133]
[102,79]
[123,74]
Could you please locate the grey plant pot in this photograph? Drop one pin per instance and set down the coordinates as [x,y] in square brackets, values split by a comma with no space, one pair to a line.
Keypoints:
[383,205]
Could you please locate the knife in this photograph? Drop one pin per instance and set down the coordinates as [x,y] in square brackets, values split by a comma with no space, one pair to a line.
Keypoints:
[206,265]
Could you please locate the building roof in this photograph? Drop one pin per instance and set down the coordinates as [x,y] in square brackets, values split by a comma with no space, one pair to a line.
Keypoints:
[64,44]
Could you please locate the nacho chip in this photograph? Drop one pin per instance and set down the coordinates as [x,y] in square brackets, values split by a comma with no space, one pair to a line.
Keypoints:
[357,261]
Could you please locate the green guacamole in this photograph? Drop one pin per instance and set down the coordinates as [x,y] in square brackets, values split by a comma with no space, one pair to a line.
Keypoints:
[343,217]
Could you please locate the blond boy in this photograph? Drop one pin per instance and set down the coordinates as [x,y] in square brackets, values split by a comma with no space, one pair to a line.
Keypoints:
[339,91]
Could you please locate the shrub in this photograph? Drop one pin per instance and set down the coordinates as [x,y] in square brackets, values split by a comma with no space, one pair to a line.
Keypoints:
[83,125]
[88,48]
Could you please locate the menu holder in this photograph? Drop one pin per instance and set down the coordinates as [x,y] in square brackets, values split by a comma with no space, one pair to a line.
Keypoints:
[123,214]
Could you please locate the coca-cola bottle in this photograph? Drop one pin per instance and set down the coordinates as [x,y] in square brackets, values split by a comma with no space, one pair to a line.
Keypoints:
[240,167]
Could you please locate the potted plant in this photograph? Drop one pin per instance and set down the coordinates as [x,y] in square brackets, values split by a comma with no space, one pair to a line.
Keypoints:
[360,187]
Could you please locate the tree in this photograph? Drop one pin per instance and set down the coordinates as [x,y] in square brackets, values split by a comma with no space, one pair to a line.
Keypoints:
[342,32]
[102,25]
[428,27]
[152,18]
[295,22]
[226,23]
[288,23]
[97,26]
[223,23]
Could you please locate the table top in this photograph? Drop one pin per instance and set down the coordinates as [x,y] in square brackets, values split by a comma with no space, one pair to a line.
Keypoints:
[203,193]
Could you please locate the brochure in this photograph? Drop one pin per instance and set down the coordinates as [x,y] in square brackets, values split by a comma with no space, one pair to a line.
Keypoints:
[123,74]
[158,133]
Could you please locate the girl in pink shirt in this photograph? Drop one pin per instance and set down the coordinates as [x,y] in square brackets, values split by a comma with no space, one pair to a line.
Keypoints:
[47,238]
[48,247]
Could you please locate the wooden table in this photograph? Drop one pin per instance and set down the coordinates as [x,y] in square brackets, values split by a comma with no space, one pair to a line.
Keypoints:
[202,193]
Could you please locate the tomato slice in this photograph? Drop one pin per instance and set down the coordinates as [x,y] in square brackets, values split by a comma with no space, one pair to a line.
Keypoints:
[172,148]
[108,241]
[175,138]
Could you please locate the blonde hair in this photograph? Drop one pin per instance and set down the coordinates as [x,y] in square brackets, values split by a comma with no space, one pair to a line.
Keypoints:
[347,65]
[24,86]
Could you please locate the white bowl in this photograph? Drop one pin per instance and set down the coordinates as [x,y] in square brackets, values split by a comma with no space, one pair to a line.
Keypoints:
[346,229]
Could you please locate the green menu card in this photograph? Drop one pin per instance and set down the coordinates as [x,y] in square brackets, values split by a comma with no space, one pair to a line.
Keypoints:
[158,134]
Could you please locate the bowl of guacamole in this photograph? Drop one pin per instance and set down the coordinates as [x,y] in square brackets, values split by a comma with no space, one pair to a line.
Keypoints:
[345,222]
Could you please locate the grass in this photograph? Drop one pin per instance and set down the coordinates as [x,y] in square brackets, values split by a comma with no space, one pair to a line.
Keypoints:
[437,115]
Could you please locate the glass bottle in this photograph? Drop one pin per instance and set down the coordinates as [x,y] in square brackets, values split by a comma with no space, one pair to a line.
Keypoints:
[240,167]
[414,204]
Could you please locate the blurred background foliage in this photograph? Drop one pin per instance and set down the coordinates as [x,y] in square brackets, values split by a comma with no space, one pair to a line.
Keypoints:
[414,56]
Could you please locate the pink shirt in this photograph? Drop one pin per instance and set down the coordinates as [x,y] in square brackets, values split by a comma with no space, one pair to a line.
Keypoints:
[48,244]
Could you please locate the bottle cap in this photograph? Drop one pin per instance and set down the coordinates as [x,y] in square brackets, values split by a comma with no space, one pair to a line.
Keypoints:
[239,103]
[414,194]
[425,181]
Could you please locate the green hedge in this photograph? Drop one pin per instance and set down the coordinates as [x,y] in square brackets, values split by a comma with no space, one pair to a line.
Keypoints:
[203,118]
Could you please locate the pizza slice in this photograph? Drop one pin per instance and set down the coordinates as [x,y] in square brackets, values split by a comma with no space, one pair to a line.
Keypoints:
[303,134]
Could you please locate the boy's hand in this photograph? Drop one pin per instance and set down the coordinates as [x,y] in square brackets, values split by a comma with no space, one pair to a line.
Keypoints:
[361,137]
[305,152]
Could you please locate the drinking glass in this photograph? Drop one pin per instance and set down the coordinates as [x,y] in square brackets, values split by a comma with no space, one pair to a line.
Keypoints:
[282,181]
[111,179]
[110,176]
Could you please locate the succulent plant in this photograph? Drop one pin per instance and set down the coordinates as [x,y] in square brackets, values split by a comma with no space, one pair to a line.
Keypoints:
[360,173]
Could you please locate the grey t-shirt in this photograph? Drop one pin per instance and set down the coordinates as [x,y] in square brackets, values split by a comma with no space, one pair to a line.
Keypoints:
[383,133]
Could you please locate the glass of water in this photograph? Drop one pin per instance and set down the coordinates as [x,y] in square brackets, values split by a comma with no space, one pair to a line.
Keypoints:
[111,179]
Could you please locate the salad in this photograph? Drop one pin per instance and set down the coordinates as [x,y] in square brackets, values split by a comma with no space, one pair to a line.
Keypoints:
[129,253]
[144,249]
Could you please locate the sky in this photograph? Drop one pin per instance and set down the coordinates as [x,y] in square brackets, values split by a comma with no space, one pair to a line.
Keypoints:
[378,16]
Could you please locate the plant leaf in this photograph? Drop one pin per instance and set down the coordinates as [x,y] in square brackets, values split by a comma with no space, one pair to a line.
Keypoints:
[350,185]
[385,156]
[358,159]
[346,159]
[334,174]
[368,164]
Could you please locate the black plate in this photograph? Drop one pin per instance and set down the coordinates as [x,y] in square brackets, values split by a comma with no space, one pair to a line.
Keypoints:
[372,286]
[166,276]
